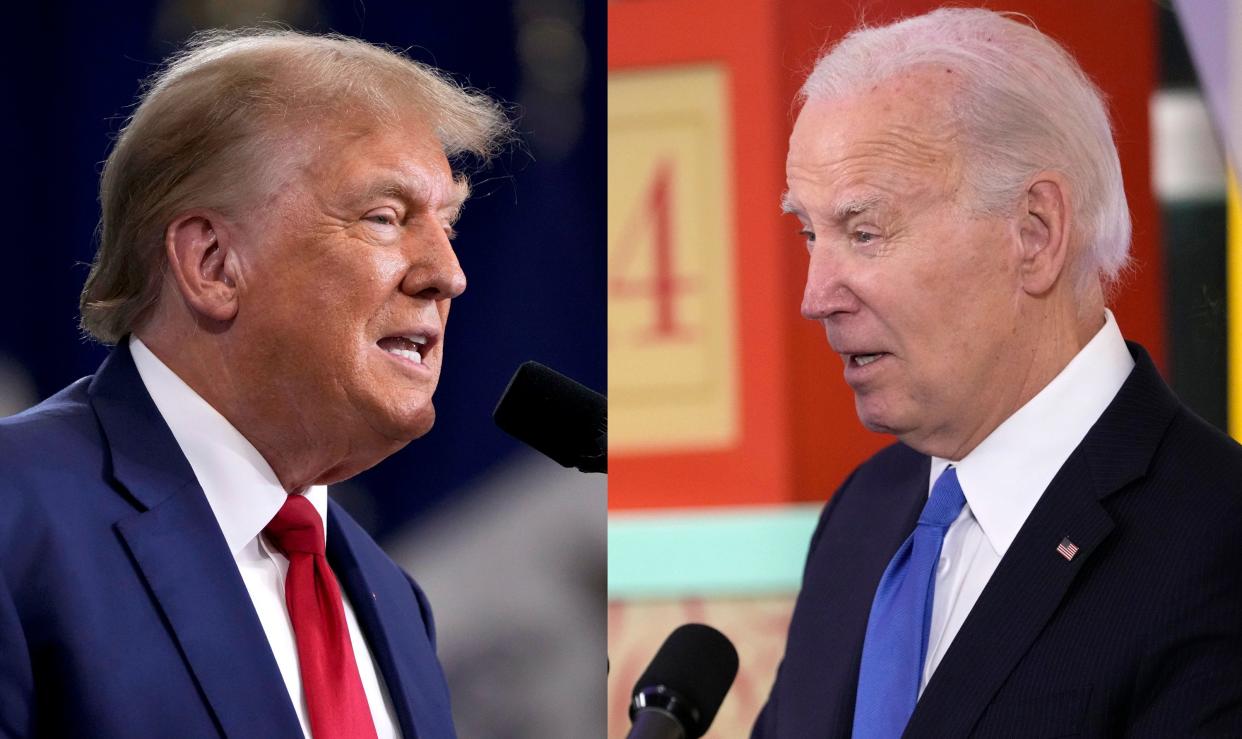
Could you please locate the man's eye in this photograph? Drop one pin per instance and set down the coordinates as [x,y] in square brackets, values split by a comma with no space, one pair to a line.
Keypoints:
[864,237]
[381,217]
[807,234]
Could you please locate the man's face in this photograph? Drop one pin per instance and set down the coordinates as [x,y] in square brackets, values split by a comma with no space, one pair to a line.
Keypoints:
[346,284]
[918,297]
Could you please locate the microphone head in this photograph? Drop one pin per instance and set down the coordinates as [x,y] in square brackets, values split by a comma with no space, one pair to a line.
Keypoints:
[559,417]
[688,677]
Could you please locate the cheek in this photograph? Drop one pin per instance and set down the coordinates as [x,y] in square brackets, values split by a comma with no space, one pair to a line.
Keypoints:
[355,299]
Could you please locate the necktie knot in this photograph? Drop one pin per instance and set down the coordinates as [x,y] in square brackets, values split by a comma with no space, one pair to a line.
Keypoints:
[296,527]
[945,503]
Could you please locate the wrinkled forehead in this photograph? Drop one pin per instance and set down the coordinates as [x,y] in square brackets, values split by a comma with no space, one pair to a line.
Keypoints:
[895,134]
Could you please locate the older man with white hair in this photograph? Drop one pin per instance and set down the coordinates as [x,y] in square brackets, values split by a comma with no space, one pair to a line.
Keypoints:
[275,271]
[1052,548]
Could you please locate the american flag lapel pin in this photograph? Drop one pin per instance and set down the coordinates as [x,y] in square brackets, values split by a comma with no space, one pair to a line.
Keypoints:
[1067,549]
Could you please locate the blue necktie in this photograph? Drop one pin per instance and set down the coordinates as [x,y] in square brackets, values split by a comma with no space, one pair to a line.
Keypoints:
[896,643]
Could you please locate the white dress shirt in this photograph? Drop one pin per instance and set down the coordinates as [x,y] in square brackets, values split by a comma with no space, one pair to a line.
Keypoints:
[245,495]
[1004,477]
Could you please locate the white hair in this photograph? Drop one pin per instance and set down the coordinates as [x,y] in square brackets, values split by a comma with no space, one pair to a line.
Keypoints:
[1022,105]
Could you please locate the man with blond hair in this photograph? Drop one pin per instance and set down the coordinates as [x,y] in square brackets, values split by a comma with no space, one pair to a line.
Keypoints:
[275,271]
[1052,548]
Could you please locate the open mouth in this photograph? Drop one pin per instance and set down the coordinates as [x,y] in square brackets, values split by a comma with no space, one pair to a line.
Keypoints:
[409,348]
[862,360]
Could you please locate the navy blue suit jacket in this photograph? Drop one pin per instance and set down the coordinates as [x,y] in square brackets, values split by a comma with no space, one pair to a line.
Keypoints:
[1139,634]
[122,612]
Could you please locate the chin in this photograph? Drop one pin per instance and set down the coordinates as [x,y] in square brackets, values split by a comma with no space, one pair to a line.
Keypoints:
[870,413]
[422,424]
[877,417]
[408,426]
[392,425]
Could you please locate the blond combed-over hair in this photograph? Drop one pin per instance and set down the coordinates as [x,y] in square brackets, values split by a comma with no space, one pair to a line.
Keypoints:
[219,116]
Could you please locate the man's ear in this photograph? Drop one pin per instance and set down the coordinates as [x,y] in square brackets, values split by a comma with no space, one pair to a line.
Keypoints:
[1044,232]
[203,264]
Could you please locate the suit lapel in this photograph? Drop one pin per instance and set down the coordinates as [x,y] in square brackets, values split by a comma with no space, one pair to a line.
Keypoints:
[384,602]
[1021,596]
[1033,577]
[180,552]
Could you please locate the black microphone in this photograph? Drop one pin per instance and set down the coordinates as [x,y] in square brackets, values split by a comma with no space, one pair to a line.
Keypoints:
[683,687]
[557,416]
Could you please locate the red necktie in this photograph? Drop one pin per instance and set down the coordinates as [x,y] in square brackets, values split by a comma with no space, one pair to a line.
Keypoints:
[334,697]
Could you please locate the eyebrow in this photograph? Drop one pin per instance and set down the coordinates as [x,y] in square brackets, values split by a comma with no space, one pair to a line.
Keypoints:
[398,189]
[845,209]
[839,211]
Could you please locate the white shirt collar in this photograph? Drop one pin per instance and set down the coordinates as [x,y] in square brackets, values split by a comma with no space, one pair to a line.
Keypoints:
[1004,477]
[241,488]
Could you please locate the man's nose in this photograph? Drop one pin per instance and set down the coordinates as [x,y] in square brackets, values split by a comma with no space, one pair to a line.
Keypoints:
[827,290]
[435,273]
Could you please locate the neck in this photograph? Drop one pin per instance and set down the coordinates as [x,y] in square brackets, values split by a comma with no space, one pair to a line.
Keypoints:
[299,453]
[1057,330]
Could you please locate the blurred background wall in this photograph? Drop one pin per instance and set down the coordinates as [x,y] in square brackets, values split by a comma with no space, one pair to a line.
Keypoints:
[730,422]
[509,546]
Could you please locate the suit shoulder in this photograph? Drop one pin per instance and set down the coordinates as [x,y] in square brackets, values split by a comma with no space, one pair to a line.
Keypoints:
[1201,467]
[1201,446]
[43,447]
[41,433]
[50,455]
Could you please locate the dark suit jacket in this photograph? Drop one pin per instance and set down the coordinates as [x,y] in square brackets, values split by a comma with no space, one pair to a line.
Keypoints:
[122,612]
[1140,634]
